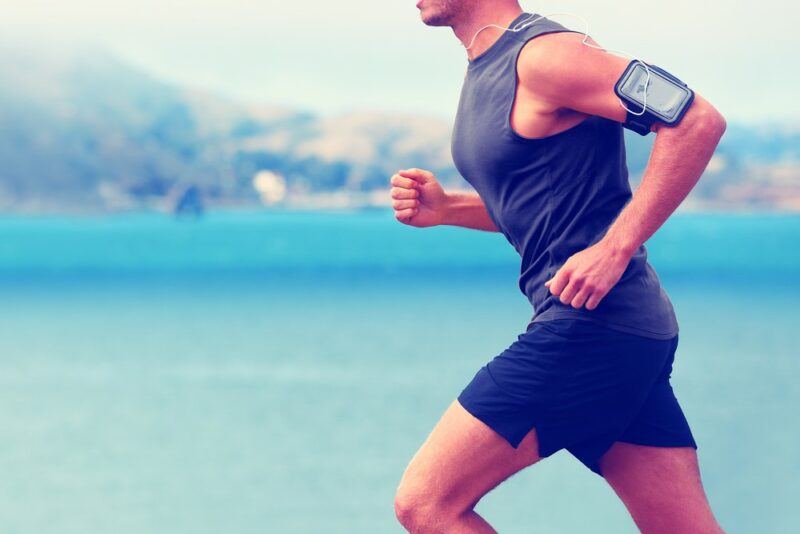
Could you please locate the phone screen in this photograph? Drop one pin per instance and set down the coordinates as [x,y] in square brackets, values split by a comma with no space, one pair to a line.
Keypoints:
[663,96]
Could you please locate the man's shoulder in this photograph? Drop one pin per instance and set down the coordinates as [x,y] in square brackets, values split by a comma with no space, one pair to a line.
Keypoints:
[551,53]
[546,65]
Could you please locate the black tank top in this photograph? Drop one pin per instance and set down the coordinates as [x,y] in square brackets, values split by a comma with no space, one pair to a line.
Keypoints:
[554,196]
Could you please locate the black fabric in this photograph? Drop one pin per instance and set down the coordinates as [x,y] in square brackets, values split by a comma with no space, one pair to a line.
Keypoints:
[554,196]
[582,386]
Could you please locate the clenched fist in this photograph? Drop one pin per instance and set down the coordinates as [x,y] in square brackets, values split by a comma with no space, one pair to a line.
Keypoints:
[417,198]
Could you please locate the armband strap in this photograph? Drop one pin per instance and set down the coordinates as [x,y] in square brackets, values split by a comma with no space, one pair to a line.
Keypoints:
[638,123]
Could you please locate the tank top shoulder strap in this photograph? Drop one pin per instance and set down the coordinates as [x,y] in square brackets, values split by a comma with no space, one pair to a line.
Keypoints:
[535,25]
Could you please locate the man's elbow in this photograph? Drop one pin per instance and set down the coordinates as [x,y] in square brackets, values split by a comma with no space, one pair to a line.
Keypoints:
[707,121]
[712,123]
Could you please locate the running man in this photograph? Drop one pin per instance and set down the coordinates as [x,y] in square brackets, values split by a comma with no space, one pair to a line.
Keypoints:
[539,135]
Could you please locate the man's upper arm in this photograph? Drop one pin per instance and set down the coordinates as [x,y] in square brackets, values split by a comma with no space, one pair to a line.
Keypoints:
[559,69]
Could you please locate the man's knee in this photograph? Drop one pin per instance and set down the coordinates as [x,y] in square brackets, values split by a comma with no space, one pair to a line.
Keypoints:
[420,510]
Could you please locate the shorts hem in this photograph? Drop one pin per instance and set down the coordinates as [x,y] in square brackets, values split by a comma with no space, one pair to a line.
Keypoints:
[543,451]
[662,444]
[594,464]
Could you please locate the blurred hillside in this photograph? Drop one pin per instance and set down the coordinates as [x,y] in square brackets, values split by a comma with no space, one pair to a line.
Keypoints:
[82,131]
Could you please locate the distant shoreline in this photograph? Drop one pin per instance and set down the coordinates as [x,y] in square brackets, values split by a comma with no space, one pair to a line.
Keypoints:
[320,208]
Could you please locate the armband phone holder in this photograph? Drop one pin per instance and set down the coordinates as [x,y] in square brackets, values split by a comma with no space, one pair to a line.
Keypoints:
[667,97]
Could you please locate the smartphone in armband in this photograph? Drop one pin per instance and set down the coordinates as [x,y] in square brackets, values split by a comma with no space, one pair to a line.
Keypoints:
[667,97]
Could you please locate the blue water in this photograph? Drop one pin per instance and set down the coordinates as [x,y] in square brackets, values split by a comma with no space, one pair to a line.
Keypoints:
[274,372]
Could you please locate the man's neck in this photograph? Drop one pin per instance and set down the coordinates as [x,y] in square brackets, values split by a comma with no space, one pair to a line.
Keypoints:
[493,14]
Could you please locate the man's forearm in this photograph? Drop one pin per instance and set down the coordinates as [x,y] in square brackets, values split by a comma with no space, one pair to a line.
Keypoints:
[679,157]
[467,210]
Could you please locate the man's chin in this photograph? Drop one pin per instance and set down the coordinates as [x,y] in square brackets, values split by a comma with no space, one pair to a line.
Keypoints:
[433,19]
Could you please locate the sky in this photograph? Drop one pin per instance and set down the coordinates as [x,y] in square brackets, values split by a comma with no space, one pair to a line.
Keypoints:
[331,57]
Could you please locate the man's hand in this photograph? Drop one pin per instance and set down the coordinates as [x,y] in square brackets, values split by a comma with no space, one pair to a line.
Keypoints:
[418,199]
[586,277]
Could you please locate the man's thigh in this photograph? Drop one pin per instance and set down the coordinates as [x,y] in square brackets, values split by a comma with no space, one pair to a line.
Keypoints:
[660,487]
[461,460]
